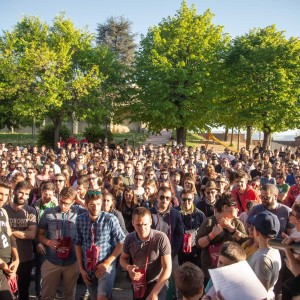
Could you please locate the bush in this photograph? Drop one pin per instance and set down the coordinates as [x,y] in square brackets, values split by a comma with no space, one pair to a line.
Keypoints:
[46,135]
[95,133]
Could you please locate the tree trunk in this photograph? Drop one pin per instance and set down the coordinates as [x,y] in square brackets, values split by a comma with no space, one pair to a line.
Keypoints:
[57,126]
[226,134]
[231,138]
[267,136]
[249,137]
[181,135]
[238,143]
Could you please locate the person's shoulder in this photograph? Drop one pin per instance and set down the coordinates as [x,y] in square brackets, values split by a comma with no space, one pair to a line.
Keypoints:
[82,217]
[157,234]
[283,207]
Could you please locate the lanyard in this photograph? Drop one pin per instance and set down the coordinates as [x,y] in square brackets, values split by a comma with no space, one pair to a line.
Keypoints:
[57,230]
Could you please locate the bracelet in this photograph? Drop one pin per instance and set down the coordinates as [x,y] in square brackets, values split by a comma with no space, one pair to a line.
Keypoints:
[208,238]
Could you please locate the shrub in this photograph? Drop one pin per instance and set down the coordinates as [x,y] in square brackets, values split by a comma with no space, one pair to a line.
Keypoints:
[46,135]
[95,133]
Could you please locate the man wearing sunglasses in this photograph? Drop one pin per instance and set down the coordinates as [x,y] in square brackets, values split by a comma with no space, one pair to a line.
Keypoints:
[168,220]
[99,241]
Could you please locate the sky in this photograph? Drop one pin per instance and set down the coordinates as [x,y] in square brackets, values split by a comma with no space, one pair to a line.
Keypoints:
[236,16]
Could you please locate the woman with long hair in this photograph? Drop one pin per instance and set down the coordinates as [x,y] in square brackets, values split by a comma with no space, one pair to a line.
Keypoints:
[127,206]
[150,195]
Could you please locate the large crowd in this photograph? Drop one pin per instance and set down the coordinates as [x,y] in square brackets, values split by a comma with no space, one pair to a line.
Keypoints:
[166,215]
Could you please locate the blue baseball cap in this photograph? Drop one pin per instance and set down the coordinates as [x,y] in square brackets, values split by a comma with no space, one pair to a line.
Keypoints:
[267,224]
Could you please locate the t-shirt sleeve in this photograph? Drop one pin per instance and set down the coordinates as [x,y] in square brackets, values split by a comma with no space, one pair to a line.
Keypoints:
[263,268]
[32,217]
[164,245]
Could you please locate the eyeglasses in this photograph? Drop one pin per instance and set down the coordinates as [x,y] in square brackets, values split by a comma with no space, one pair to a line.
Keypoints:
[265,198]
[162,197]
[59,180]
[187,199]
[210,192]
[93,192]
[294,215]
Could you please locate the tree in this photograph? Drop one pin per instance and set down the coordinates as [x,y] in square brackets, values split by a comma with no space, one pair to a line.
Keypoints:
[263,86]
[116,34]
[175,69]
[46,72]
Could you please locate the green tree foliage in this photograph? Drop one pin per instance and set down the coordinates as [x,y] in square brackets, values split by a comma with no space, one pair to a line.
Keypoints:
[261,89]
[45,70]
[175,69]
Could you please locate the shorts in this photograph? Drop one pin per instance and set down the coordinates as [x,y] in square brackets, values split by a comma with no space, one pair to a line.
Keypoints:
[103,285]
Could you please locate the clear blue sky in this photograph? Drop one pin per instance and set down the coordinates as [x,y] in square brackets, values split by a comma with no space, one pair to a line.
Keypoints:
[237,16]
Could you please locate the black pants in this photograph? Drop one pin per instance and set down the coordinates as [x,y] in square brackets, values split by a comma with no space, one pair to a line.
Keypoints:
[24,276]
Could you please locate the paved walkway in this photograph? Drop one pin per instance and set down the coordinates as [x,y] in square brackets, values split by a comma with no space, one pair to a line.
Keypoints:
[159,139]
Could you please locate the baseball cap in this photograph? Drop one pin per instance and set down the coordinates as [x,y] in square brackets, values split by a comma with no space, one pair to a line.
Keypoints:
[267,224]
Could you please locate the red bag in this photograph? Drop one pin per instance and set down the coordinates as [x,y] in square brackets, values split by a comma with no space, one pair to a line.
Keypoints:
[64,248]
[187,243]
[140,286]
[214,253]
[13,284]
[92,255]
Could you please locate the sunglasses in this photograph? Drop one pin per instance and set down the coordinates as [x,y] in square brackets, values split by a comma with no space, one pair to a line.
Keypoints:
[93,192]
[187,199]
[59,180]
[162,197]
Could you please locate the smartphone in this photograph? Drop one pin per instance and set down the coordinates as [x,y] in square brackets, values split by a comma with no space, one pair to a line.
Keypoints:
[277,244]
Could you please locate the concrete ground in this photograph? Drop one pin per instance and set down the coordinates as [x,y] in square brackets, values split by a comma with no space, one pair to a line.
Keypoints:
[122,290]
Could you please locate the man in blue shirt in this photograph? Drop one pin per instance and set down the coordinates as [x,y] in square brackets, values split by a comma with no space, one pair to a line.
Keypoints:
[99,241]
[56,231]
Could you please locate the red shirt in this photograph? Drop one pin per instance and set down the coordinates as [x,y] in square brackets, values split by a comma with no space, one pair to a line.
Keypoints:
[242,198]
[293,192]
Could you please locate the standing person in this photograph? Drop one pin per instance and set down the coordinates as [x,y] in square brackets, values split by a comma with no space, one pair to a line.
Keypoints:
[60,183]
[192,218]
[22,219]
[127,176]
[168,220]
[243,191]
[266,261]
[56,230]
[99,241]
[294,191]
[210,197]
[221,227]
[9,258]
[147,257]
[283,187]
[47,200]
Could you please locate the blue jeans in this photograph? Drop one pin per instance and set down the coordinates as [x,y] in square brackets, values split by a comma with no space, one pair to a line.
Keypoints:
[103,285]
[38,261]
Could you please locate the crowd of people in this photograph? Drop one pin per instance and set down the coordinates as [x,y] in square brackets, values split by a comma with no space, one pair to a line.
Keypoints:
[166,215]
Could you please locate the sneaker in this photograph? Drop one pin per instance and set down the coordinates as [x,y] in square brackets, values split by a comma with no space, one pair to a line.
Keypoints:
[85,295]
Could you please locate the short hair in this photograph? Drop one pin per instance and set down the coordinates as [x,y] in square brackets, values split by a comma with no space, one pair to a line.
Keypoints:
[269,187]
[92,195]
[141,212]
[225,199]
[69,193]
[185,191]
[48,186]
[5,184]
[241,174]
[189,279]
[233,251]
[23,185]
[83,181]
[60,174]
[296,208]
[164,189]
[281,175]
